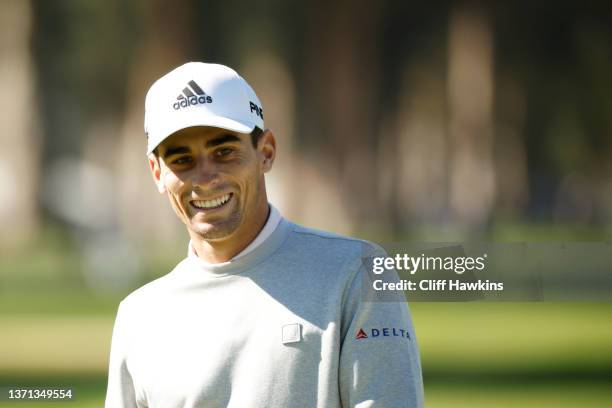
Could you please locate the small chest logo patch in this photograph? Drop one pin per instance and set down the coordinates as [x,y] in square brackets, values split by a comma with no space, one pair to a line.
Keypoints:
[292,333]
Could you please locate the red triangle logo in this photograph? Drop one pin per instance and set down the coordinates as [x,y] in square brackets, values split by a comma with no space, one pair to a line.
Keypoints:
[361,335]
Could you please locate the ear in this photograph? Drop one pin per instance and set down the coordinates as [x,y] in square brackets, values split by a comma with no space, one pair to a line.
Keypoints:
[155,168]
[267,149]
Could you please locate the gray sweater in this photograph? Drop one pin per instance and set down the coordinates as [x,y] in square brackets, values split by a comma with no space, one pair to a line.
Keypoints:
[286,325]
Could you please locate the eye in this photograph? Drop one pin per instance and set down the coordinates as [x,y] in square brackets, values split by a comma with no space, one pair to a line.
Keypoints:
[225,151]
[182,160]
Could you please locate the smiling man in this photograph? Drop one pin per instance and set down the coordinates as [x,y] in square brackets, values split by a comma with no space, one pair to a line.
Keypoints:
[214,179]
[262,312]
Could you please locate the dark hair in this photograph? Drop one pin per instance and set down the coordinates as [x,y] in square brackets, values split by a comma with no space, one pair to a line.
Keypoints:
[256,134]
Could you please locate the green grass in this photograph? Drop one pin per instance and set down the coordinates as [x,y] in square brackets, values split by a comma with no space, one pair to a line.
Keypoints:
[58,344]
[464,337]
[58,302]
[55,332]
[518,394]
[514,337]
[88,390]
[468,392]
[476,354]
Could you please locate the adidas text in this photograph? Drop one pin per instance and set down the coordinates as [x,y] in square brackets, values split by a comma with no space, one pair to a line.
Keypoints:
[193,100]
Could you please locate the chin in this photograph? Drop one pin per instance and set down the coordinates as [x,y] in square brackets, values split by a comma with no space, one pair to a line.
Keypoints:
[218,230]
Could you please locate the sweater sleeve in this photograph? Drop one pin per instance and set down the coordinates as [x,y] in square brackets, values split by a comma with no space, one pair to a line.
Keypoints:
[120,392]
[379,358]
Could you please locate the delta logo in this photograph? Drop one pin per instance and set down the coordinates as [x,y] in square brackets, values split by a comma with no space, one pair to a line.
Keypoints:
[382,332]
[189,98]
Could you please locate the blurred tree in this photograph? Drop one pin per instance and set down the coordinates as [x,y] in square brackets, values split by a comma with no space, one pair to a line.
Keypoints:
[19,137]
[470,101]
[399,113]
[166,37]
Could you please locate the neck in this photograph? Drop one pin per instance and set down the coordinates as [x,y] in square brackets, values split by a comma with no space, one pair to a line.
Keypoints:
[223,250]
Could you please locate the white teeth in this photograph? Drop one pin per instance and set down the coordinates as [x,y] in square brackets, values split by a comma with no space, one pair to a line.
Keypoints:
[211,203]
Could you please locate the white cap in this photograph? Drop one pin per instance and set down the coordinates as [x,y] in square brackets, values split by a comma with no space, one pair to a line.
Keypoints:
[199,94]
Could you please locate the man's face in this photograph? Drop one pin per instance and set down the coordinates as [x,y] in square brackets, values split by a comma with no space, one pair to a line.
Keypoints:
[214,179]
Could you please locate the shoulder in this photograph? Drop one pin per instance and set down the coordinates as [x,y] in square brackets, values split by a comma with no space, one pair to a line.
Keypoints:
[338,262]
[333,239]
[326,245]
[151,292]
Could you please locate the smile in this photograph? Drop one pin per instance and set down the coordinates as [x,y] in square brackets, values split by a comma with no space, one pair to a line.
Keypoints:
[212,204]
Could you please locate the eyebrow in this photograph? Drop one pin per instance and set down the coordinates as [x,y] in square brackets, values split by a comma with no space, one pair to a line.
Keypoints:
[175,150]
[222,139]
[211,143]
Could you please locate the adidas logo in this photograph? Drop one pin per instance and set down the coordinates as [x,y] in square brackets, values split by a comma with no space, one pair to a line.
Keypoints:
[188,97]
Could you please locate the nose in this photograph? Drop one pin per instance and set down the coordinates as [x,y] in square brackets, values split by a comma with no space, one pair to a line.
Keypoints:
[206,174]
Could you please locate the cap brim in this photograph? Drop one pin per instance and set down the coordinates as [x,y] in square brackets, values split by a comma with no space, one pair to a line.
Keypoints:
[164,130]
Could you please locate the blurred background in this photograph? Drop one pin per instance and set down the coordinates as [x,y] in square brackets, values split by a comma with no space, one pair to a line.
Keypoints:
[396,120]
